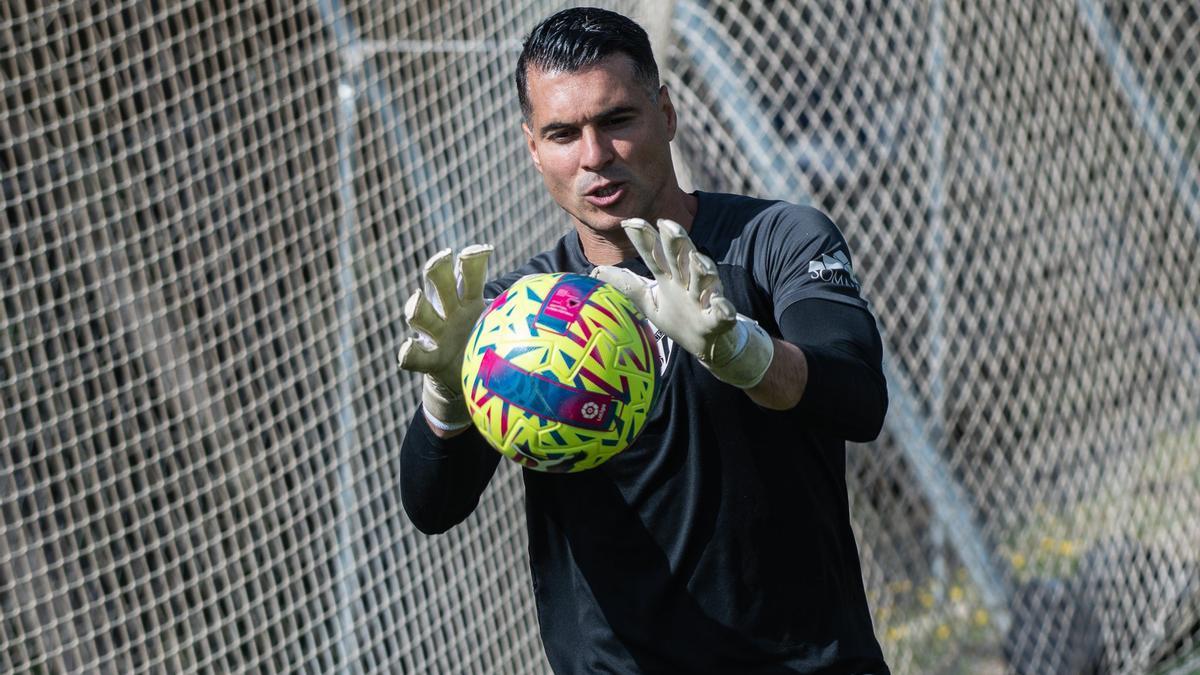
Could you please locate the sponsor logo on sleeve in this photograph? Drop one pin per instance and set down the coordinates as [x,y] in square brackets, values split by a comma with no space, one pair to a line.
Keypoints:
[834,268]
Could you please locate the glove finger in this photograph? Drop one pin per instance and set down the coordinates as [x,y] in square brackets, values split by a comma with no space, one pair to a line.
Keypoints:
[631,285]
[413,356]
[677,248]
[472,264]
[704,280]
[722,312]
[421,316]
[645,240]
[439,280]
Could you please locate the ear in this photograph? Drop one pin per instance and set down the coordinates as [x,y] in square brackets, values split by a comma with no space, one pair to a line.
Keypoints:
[668,111]
[529,143]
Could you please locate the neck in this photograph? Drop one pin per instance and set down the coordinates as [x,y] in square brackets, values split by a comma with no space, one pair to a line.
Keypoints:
[612,247]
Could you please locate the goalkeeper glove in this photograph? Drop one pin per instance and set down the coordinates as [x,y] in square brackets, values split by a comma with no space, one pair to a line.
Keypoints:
[685,301]
[442,331]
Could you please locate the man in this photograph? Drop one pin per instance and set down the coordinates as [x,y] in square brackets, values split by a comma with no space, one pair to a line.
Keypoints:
[720,542]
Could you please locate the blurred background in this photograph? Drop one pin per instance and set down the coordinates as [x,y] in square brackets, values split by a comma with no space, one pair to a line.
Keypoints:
[211,213]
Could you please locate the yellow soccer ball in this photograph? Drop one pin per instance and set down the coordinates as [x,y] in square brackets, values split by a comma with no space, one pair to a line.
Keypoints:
[561,372]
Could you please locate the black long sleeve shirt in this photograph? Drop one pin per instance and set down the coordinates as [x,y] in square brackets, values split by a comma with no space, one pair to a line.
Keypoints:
[720,541]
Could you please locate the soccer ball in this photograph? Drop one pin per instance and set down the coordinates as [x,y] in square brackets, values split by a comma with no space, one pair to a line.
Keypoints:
[560,372]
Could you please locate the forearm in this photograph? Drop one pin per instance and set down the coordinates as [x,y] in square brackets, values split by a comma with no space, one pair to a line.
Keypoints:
[782,386]
[441,479]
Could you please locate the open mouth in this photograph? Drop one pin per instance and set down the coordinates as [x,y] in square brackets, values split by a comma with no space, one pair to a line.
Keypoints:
[607,195]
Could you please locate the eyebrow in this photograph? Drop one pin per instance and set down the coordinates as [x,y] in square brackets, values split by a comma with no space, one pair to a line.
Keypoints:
[609,113]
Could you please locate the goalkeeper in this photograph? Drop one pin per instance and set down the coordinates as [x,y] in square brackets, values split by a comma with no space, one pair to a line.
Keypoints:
[720,542]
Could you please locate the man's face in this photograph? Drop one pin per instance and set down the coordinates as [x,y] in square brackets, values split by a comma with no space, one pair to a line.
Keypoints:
[601,143]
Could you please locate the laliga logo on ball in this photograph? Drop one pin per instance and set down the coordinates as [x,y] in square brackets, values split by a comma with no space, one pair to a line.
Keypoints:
[560,372]
[591,410]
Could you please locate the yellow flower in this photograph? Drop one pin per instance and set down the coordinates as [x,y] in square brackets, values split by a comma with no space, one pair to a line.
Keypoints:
[956,593]
[926,599]
[943,632]
[981,617]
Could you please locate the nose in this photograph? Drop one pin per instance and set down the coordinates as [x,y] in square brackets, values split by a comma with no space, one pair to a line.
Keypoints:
[597,150]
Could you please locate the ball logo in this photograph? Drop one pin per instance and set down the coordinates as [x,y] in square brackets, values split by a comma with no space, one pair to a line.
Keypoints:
[592,410]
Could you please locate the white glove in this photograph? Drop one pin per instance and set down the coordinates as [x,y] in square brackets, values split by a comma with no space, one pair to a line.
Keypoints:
[685,302]
[437,350]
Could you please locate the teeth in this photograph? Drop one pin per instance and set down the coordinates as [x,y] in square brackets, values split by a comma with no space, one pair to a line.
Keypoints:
[604,192]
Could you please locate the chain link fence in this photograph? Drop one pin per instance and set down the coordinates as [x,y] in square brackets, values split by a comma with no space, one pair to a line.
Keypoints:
[213,213]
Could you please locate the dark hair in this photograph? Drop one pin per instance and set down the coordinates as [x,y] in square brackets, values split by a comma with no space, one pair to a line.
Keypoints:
[574,39]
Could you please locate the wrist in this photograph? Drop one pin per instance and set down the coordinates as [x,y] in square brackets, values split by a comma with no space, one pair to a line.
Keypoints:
[445,408]
[741,356]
